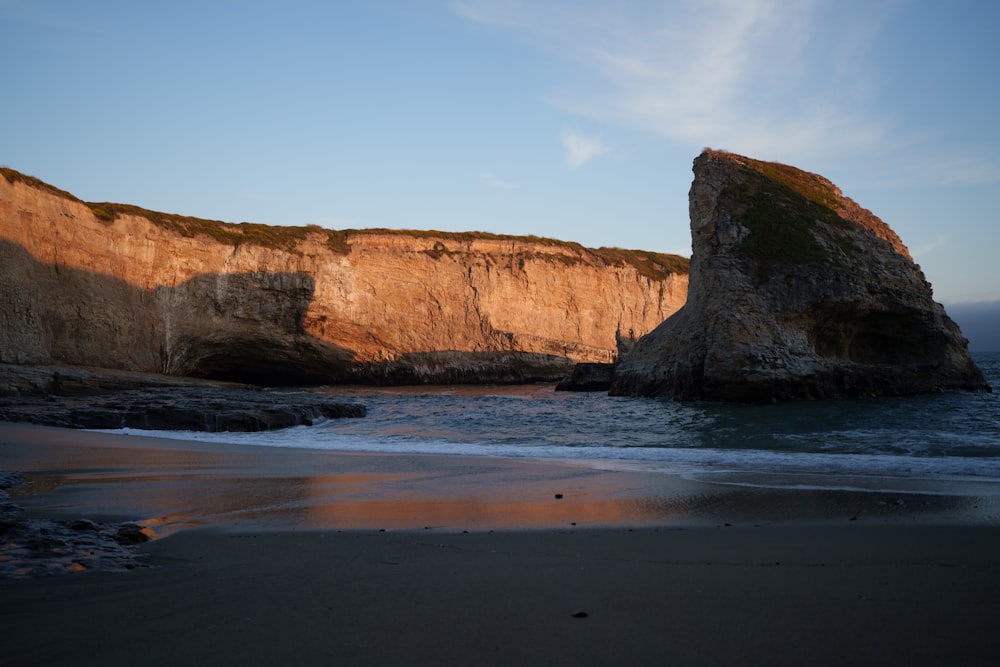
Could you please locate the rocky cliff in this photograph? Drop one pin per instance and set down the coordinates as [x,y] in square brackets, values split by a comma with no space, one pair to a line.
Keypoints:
[115,286]
[795,292]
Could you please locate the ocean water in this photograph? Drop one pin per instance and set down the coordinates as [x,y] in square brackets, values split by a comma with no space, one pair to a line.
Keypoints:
[947,443]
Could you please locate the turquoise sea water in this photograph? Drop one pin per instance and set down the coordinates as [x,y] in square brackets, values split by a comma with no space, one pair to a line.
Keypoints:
[941,443]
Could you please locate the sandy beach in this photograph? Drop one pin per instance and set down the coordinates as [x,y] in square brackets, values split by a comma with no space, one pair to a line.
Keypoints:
[282,556]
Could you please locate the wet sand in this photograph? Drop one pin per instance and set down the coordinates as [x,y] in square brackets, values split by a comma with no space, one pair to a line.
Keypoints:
[275,556]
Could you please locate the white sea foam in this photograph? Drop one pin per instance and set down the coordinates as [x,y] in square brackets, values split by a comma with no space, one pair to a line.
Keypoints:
[928,442]
[748,467]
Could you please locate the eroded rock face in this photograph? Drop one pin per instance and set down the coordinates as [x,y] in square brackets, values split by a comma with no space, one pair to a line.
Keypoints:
[795,292]
[116,287]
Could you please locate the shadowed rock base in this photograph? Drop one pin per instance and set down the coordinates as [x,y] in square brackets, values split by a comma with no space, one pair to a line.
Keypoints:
[588,377]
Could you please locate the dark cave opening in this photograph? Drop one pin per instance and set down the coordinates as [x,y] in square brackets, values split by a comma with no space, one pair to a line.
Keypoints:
[874,337]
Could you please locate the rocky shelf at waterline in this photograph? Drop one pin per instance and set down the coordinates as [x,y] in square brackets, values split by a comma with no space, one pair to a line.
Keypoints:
[211,409]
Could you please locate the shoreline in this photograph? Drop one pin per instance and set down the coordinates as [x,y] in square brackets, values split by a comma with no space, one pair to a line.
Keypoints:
[272,556]
[172,484]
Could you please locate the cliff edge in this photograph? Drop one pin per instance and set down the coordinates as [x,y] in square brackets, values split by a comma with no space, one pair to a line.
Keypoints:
[795,292]
[116,286]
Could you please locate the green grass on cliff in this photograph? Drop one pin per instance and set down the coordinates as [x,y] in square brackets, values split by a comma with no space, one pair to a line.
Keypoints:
[811,186]
[791,215]
[781,226]
[650,264]
[267,236]
[13,176]
[655,265]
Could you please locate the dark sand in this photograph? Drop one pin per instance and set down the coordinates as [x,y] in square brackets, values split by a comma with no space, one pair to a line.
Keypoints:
[276,556]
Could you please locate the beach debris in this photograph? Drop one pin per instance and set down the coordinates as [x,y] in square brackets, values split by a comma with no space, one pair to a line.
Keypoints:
[84,524]
[131,533]
[42,547]
[31,547]
[8,480]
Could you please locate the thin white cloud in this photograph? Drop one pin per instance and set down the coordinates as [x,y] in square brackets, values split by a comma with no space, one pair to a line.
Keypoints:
[930,246]
[490,179]
[942,167]
[960,170]
[478,12]
[581,149]
[747,75]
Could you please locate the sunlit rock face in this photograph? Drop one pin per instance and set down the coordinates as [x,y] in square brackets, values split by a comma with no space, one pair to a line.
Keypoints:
[115,286]
[795,292]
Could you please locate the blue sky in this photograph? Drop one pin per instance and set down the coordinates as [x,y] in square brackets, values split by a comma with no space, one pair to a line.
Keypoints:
[570,119]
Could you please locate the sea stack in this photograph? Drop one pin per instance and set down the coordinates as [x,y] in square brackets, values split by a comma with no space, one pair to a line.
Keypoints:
[795,292]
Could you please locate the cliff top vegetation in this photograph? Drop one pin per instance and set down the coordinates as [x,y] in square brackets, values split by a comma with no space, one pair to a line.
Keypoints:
[786,210]
[813,187]
[653,265]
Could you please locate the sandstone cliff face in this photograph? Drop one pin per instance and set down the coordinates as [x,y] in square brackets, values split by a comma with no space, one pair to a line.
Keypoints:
[795,292]
[82,285]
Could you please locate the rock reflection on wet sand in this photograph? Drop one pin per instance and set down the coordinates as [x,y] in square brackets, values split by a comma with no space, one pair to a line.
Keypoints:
[169,485]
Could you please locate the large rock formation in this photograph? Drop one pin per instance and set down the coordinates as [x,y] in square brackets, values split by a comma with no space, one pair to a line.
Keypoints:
[115,286]
[795,292]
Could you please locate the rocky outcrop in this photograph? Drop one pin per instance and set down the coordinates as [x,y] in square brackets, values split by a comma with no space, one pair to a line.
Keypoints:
[795,292]
[35,547]
[182,408]
[22,381]
[588,377]
[114,286]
